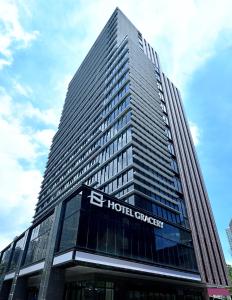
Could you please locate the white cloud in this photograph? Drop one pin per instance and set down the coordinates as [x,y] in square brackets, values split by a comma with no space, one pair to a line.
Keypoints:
[5,62]
[25,109]
[12,33]
[20,150]
[15,143]
[19,184]
[61,86]
[49,116]
[19,188]
[45,136]
[6,103]
[195,131]
[22,89]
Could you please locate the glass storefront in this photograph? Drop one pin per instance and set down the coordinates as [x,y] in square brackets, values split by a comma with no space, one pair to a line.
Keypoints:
[89,290]
[127,290]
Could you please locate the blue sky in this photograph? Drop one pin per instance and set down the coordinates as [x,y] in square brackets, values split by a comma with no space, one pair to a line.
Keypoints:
[42,43]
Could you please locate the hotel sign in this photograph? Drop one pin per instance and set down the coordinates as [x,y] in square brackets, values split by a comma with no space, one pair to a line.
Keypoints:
[97,199]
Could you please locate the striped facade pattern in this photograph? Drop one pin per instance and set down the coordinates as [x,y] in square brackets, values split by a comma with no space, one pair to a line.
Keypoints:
[209,254]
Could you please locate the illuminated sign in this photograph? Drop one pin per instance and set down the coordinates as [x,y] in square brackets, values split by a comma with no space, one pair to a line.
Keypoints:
[97,199]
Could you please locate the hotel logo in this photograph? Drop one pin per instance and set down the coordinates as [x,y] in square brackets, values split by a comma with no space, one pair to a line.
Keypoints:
[96,199]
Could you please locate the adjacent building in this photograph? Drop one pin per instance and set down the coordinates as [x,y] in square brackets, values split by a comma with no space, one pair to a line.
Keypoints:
[123,212]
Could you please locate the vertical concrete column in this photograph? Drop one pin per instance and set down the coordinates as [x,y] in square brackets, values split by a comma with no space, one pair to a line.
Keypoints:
[19,285]
[205,294]
[51,279]
[55,289]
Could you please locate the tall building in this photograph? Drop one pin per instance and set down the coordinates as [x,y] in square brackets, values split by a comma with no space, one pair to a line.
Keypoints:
[229,235]
[123,212]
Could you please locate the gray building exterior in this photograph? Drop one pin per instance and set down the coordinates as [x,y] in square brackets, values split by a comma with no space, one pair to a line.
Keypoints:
[123,212]
[229,235]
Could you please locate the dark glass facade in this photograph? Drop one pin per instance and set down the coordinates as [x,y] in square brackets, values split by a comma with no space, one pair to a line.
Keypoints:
[102,231]
[17,251]
[36,250]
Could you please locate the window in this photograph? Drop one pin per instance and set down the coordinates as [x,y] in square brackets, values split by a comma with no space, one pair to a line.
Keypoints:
[171,149]
[70,224]
[5,259]
[18,249]
[38,241]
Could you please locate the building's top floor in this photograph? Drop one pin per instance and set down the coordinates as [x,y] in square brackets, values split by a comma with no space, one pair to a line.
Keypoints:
[117,28]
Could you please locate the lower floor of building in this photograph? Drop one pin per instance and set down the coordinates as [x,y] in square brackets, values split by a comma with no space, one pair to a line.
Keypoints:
[85,282]
[112,289]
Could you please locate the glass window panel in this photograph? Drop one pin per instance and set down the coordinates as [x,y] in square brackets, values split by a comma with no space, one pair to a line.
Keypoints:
[129,155]
[130,174]
[159,211]
[124,139]
[110,169]
[38,241]
[142,241]
[5,259]
[124,160]
[120,142]
[130,188]
[72,206]
[102,235]
[124,179]
[135,240]
[18,249]
[82,232]
[118,239]
[92,233]
[119,162]
[110,187]
[111,237]
[115,145]
[114,184]
[159,249]
[69,232]
[126,239]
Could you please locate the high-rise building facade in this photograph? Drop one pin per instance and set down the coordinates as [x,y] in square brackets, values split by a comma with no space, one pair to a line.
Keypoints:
[123,212]
[229,235]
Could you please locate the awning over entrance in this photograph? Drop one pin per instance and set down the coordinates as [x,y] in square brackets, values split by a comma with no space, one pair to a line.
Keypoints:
[218,292]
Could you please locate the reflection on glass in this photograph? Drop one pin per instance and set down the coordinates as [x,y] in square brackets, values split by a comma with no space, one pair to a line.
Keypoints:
[125,237]
[38,241]
[5,259]
[18,249]
[70,224]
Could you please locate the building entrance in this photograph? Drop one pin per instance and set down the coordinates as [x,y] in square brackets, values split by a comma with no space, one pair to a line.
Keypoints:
[127,290]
